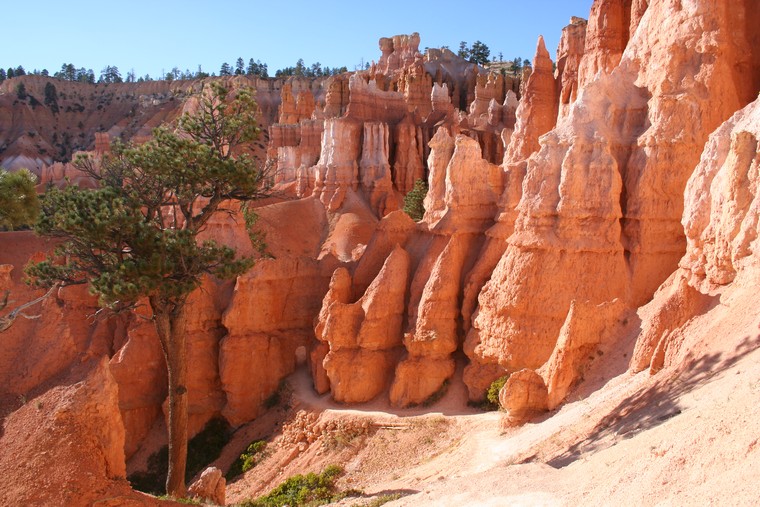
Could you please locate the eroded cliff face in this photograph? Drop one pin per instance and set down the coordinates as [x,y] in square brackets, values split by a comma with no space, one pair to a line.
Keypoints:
[555,210]
[599,217]
[39,131]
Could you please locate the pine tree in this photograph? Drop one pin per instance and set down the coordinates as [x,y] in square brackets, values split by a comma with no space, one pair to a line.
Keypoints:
[413,201]
[18,199]
[479,53]
[51,97]
[136,235]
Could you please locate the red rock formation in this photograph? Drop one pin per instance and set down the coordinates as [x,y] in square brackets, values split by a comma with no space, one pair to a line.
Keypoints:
[652,230]
[269,317]
[398,51]
[607,34]
[368,102]
[534,116]
[569,54]
[678,303]
[584,149]
[415,83]
[523,397]
[586,328]
[721,224]
[537,112]
[394,229]
[74,428]
[374,168]
[338,169]
[293,110]
[408,166]
[721,212]
[210,486]
[431,337]
[337,96]
[441,151]
[364,336]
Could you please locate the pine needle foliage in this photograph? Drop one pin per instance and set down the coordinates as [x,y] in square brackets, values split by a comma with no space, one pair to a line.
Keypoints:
[413,201]
[19,205]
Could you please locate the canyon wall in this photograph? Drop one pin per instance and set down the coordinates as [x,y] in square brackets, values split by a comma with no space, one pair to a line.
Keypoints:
[555,209]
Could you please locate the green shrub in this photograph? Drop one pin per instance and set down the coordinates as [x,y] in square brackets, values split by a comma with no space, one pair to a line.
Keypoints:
[493,392]
[384,499]
[252,456]
[413,201]
[301,490]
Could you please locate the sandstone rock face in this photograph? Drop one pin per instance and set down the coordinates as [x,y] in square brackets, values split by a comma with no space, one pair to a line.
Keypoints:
[537,112]
[408,166]
[338,169]
[523,397]
[622,211]
[140,370]
[394,229]
[721,224]
[370,102]
[569,54]
[73,427]
[606,37]
[374,168]
[471,186]
[662,168]
[364,336]
[441,151]
[585,329]
[398,51]
[85,116]
[722,203]
[679,303]
[269,317]
[210,486]
[431,337]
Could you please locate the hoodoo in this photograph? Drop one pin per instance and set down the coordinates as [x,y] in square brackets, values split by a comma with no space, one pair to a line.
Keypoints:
[589,243]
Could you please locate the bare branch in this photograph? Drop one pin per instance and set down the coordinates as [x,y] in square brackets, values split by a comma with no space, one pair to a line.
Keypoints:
[7,321]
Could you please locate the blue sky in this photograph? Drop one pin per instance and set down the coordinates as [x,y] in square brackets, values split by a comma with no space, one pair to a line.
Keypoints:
[151,37]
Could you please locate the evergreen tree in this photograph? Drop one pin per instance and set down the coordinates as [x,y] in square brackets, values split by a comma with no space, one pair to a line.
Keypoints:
[300,68]
[225,70]
[239,67]
[11,73]
[479,53]
[18,199]
[516,65]
[413,201]
[20,71]
[2,75]
[51,97]
[463,51]
[136,235]
[21,91]
[110,74]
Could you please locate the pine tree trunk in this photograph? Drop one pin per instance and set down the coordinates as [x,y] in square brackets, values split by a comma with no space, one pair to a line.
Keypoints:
[170,326]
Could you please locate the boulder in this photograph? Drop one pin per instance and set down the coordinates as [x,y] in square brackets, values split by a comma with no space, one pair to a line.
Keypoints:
[210,486]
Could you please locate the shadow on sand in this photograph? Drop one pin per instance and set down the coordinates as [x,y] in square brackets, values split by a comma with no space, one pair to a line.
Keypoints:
[654,404]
